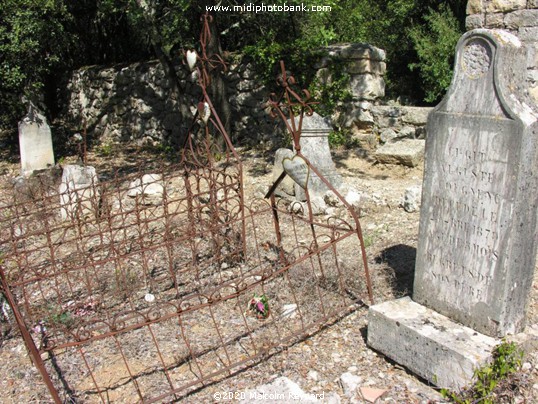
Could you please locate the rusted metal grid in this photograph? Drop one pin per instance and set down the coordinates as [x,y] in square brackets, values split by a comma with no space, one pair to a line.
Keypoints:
[123,296]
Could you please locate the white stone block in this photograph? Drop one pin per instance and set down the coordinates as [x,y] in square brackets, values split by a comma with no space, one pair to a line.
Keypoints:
[428,343]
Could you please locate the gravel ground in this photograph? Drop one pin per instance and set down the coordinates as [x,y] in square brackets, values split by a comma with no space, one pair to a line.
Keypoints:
[335,361]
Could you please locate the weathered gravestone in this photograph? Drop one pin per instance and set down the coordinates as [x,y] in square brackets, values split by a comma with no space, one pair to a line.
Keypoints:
[35,141]
[315,147]
[478,226]
[79,192]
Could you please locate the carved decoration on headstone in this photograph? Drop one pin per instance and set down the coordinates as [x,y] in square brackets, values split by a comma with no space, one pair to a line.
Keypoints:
[476,58]
[297,169]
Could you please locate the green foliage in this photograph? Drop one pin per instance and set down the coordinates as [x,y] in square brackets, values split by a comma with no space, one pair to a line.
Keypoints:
[339,138]
[419,37]
[435,44]
[32,43]
[105,150]
[507,359]
[107,31]
[41,40]
[64,319]
[331,89]
[57,317]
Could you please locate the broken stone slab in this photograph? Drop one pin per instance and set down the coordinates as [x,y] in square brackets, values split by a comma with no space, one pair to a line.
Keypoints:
[428,343]
[149,188]
[408,152]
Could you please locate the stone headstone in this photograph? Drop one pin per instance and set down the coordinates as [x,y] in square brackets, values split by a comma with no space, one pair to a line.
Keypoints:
[79,194]
[478,225]
[315,147]
[478,230]
[35,141]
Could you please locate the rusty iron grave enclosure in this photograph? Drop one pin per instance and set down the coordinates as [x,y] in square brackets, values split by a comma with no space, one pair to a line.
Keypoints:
[123,296]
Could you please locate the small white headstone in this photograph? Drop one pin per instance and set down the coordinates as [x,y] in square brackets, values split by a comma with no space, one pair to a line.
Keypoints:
[35,141]
[79,195]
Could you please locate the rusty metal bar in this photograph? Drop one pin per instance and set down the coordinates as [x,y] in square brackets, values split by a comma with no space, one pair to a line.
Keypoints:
[28,340]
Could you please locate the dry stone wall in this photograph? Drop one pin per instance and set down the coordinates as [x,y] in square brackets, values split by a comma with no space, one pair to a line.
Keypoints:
[365,116]
[134,102]
[519,17]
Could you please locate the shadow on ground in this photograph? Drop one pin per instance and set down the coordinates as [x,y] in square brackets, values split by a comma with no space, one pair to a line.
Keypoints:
[401,259]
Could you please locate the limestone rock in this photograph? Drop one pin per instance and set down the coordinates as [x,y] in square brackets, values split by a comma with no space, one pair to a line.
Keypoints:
[349,383]
[504,6]
[416,115]
[474,6]
[387,135]
[367,86]
[408,152]
[149,188]
[411,199]
[475,21]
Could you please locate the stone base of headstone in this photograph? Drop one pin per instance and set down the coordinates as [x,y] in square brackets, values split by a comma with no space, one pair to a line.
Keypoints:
[433,346]
[427,343]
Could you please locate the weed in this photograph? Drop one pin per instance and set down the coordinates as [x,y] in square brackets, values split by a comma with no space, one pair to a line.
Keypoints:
[57,317]
[105,150]
[507,359]
[64,319]
[369,239]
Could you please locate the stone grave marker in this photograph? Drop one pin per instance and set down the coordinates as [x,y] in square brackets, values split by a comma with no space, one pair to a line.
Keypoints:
[478,226]
[35,141]
[79,192]
[315,147]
